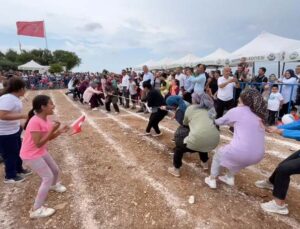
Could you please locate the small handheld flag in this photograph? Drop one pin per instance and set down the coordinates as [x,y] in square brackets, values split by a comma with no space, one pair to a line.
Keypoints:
[76,125]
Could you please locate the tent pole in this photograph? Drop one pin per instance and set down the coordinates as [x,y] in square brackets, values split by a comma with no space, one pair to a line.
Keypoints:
[278,69]
[283,67]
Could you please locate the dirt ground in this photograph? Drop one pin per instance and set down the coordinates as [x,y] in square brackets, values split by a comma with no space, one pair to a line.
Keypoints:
[118,179]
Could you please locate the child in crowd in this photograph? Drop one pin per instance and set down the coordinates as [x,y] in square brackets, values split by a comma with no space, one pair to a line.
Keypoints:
[275,102]
[248,144]
[174,89]
[164,86]
[39,131]
[294,112]
[133,92]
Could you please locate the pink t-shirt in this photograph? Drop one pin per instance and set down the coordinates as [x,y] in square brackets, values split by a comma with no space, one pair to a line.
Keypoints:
[29,150]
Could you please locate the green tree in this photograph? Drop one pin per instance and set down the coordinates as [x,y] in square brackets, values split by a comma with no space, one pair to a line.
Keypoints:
[7,64]
[69,59]
[55,68]
[11,55]
[25,56]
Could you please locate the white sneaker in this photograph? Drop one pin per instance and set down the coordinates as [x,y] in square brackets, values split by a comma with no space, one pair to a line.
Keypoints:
[272,207]
[58,188]
[175,172]
[42,212]
[227,180]
[211,182]
[95,109]
[264,184]
[157,135]
[204,165]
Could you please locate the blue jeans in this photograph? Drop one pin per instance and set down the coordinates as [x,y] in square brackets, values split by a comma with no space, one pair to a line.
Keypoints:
[10,146]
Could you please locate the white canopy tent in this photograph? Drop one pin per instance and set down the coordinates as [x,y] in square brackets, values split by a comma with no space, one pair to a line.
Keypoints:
[292,56]
[33,66]
[148,63]
[216,58]
[265,47]
[187,61]
[162,64]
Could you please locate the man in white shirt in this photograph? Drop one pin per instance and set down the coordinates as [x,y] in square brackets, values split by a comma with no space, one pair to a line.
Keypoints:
[180,76]
[148,76]
[125,87]
[187,88]
[198,81]
[226,85]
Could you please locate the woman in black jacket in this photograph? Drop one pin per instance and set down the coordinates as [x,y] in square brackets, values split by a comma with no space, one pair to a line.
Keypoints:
[154,101]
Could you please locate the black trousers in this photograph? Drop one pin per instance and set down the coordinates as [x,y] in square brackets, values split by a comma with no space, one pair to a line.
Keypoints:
[96,101]
[281,176]
[111,99]
[10,146]
[76,94]
[180,150]
[126,96]
[285,109]
[272,117]
[221,106]
[154,120]
[188,97]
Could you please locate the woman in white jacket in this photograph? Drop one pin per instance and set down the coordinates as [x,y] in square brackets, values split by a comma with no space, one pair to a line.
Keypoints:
[90,95]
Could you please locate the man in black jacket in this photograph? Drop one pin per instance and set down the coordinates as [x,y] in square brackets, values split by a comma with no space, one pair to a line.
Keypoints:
[154,101]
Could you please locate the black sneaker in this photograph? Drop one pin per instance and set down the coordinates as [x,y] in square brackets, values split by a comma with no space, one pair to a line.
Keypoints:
[17,179]
[25,173]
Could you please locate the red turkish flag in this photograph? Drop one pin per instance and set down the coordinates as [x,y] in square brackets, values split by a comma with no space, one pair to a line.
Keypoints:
[31,28]
[76,125]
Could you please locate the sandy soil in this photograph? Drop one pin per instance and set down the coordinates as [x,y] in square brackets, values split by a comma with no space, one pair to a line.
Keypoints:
[118,179]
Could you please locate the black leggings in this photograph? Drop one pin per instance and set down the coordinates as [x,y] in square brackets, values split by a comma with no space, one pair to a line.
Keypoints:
[285,108]
[154,120]
[10,146]
[180,150]
[281,176]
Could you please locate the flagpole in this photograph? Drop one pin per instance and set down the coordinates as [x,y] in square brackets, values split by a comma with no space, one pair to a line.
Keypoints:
[45,35]
[19,44]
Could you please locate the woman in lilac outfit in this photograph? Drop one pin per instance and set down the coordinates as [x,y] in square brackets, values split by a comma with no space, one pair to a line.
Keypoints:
[248,144]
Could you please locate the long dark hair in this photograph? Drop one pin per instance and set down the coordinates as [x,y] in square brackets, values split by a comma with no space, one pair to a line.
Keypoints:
[13,84]
[37,103]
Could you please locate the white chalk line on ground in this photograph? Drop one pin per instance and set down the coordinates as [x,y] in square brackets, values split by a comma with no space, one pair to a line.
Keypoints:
[82,201]
[172,200]
[288,220]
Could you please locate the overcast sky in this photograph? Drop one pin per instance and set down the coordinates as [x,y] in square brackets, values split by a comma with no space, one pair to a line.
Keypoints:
[118,33]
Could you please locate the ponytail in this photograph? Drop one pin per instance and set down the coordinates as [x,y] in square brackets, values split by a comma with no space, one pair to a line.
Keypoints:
[30,115]
[37,103]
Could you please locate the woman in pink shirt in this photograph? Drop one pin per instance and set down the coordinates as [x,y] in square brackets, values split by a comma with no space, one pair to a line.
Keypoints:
[39,130]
